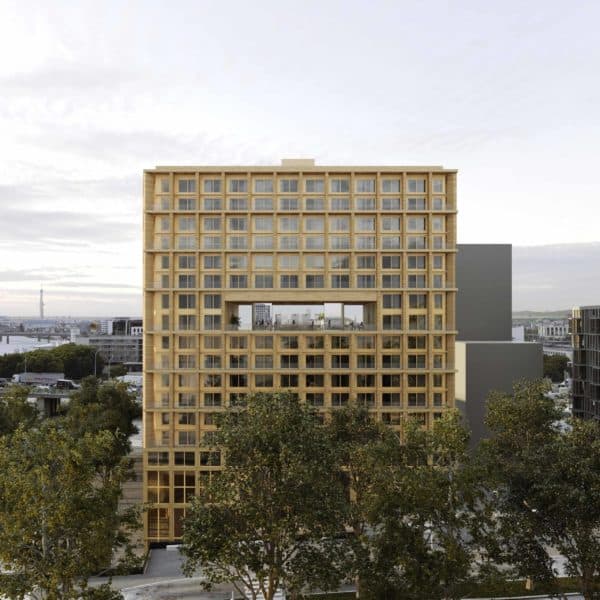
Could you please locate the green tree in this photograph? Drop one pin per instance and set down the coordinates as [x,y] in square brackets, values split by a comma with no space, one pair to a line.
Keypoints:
[425,509]
[546,482]
[15,411]
[40,361]
[9,364]
[275,509]
[555,366]
[107,406]
[58,520]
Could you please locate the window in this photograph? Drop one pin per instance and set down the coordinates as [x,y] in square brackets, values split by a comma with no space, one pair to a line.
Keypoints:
[288,186]
[365,281]
[391,341]
[237,242]
[417,224]
[212,242]
[437,204]
[263,186]
[315,341]
[186,281]
[237,342]
[238,380]
[315,281]
[212,262]
[238,261]
[238,224]
[365,204]
[366,399]
[437,224]
[315,399]
[417,242]
[365,361]
[438,185]
[212,186]
[289,204]
[263,261]
[391,380]
[187,301]
[289,224]
[415,185]
[263,224]
[366,342]
[238,186]
[263,380]
[186,203]
[212,322]
[263,362]
[417,322]
[340,204]
[365,186]
[340,398]
[164,185]
[339,242]
[213,204]
[417,381]
[339,223]
[314,261]
[314,224]
[289,381]
[417,300]
[185,242]
[263,242]
[438,261]
[186,341]
[164,262]
[315,361]
[365,262]
[238,281]
[288,281]
[393,261]
[417,281]
[186,261]
[237,361]
[340,361]
[392,301]
[314,186]
[390,223]
[186,186]
[392,322]
[263,342]
[340,281]
[339,185]
[390,186]
[289,341]
[289,261]
[438,281]
[339,261]
[158,458]
[417,261]
[340,380]
[390,204]
[212,342]
[390,399]
[289,361]
[263,281]
[417,204]
[315,204]
[417,342]
[263,203]
[238,203]
[438,301]
[390,281]
[391,242]
[416,399]
[212,361]
[288,242]
[314,242]
[390,361]
[364,242]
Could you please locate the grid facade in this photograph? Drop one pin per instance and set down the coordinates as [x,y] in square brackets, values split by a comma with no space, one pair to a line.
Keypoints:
[585,331]
[356,266]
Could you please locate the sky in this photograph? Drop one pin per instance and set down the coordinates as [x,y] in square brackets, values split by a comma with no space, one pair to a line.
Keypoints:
[91,93]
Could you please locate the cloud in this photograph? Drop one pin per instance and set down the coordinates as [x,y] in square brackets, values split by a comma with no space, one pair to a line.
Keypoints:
[55,228]
[556,276]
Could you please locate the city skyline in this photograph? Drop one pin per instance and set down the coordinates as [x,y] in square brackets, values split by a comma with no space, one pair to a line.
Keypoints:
[486,89]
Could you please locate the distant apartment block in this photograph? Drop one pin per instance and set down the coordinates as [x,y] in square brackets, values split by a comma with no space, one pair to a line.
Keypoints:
[553,330]
[336,283]
[585,331]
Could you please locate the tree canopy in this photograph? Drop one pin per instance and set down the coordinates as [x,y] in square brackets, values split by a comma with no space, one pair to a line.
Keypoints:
[275,510]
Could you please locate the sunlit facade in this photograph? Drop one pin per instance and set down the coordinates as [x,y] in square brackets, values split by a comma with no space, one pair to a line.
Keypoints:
[337,283]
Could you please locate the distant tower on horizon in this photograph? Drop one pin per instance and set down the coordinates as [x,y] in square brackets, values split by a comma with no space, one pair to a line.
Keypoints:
[41,302]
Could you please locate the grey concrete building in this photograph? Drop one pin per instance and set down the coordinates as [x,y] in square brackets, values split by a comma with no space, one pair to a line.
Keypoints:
[585,331]
[486,357]
[484,299]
